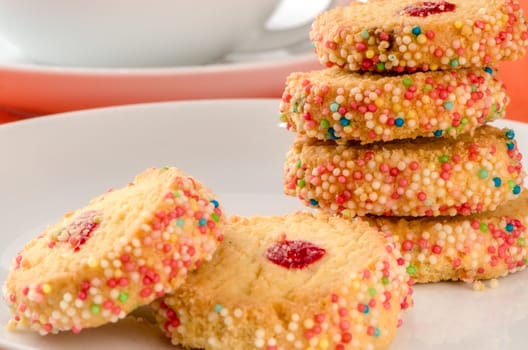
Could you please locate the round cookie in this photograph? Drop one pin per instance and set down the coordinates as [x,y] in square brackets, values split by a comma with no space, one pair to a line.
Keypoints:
[299,281]
[126,248]
[338,105]
[481,246]
[422,177]
[410,35]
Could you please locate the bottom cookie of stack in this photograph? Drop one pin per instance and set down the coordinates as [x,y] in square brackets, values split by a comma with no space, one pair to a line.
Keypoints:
[468,248]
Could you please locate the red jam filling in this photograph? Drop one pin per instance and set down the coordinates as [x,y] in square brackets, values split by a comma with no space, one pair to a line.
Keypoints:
[81,229]
[426,8]
[294,254]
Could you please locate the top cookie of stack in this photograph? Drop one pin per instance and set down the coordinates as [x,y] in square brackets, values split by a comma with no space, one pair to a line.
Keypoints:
[402,108]
[408,35]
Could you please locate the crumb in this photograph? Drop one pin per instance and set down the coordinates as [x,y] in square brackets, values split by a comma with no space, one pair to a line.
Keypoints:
[493,283]
[11,325]
[479,286]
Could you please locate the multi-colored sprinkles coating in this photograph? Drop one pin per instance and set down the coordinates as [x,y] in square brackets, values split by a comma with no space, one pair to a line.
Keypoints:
[428,177]
[383,36]
[336,105]
[125,249]
[482,246]
[359,307]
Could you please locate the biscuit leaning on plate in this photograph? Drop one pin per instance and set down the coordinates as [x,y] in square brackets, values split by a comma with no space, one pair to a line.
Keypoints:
[124,249]
[410,35]
[420,177]
[298,281]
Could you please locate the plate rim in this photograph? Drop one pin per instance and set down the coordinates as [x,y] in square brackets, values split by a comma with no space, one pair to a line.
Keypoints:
[138,106]
[19,65]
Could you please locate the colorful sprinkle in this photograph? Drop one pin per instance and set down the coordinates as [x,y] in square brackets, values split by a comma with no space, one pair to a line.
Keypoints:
[497,181]
[483,173]
[218,308]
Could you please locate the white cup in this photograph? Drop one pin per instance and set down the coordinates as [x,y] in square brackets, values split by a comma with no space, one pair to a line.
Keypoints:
[128,33]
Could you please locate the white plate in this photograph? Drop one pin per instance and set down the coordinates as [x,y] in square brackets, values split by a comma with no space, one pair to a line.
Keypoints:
[53,164]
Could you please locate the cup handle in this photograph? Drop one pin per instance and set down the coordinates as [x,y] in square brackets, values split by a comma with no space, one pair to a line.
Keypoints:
[278,38]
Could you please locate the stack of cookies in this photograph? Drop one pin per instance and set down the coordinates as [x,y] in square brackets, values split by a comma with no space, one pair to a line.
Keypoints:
[395,130]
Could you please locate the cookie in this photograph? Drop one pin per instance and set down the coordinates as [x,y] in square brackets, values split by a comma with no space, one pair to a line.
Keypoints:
[333,104]
[124,249]
[300,281]
[410,35]
[481,246]
[421,177]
